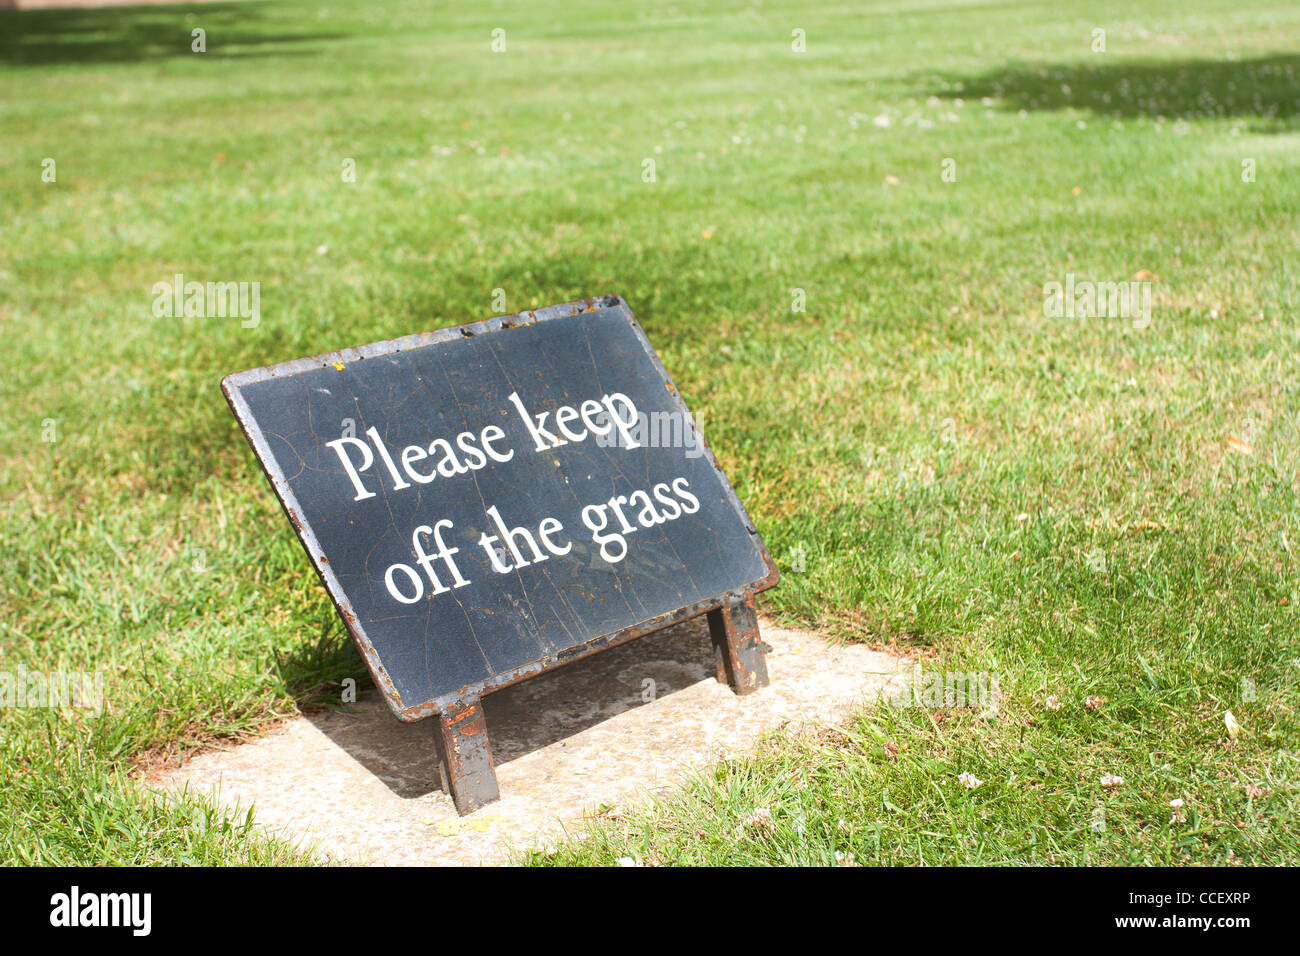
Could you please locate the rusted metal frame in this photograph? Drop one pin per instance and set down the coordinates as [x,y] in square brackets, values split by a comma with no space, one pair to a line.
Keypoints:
[738,650]
[465,763]
[460,731]
[466,769]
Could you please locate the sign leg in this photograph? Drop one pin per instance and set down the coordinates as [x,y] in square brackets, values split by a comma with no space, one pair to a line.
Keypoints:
[737,648]
[464,757]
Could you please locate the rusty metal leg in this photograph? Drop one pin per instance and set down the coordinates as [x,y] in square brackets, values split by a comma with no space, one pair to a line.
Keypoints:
[737,648]
[464,757]
[440,755]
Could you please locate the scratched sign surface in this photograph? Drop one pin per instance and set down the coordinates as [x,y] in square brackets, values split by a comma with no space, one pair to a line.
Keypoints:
[489,501]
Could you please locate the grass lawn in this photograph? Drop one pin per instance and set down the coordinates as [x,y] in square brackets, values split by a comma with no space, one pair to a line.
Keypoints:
[1078,506]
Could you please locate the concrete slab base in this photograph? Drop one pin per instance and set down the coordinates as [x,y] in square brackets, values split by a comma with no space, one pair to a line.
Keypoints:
[610,730]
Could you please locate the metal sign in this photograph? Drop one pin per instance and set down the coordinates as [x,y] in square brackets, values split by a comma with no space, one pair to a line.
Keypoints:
[486,502]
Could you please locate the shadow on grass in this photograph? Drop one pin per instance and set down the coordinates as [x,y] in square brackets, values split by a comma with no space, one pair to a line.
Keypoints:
[1263,88]
[140,34]
[313,672]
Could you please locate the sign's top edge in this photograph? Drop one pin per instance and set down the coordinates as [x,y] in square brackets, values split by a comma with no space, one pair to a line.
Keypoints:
[358,353]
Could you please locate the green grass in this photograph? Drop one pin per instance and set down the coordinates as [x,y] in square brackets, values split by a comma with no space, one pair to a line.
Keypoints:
[896,430]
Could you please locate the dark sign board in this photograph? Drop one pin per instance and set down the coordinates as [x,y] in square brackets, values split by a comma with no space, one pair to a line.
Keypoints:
[489,501]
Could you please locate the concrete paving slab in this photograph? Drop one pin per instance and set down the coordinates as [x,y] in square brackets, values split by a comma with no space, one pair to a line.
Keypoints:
[619,727]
